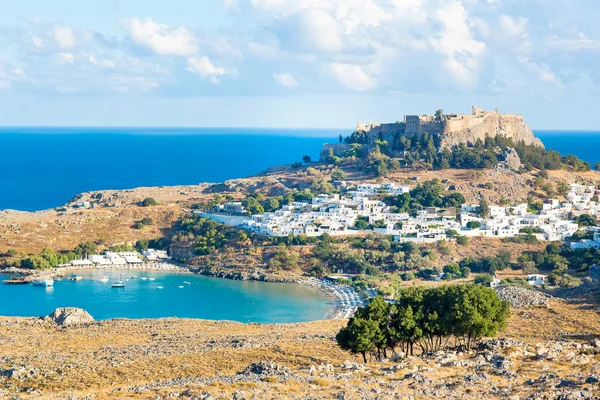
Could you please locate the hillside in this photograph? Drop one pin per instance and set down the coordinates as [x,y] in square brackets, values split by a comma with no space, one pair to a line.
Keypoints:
[545,350]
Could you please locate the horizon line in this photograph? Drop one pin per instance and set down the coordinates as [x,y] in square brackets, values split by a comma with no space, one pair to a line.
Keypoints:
[288,128]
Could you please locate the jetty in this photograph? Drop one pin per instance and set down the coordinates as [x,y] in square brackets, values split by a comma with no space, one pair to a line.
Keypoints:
[18,281]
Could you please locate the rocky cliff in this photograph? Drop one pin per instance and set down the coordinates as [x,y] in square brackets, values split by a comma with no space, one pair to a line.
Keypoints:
[512,126]
[452,129]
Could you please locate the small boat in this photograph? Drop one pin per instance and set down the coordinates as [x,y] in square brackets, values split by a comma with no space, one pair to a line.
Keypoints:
[104,279]
[160,287]
[180,287]
[144,278]
[118,284]
[152,279]
[187,283]
[76,277]
[43,282]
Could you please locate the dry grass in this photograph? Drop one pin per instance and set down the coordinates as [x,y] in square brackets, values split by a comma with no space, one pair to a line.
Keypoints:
[123,353]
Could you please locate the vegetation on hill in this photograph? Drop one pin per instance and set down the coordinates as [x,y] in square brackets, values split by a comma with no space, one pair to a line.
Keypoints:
[411,150]
[432,318]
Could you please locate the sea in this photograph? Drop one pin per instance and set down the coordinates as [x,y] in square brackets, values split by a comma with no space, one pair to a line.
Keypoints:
[43,168]
[169,295]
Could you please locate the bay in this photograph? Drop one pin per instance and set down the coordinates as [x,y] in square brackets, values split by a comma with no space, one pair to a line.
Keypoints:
[182,296]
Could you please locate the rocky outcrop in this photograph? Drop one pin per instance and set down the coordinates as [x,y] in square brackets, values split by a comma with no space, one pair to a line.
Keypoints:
[511,159]
[519,297]
[237,275]
[70,316]
[490,124]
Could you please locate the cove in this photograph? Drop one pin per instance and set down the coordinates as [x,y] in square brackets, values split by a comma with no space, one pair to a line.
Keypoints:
[163,295]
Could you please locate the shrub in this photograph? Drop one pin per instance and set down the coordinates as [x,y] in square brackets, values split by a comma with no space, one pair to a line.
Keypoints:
[462,240]
[148,202]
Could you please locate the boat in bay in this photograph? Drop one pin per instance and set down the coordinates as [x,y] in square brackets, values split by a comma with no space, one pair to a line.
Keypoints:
[104,279]
[118,284]
[75,277]
[47,282]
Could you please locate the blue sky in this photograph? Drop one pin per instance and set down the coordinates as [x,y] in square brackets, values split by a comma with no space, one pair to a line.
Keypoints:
[296,63]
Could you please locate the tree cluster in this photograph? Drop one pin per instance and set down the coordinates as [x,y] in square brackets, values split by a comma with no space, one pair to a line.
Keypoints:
[431,318]
[425,194]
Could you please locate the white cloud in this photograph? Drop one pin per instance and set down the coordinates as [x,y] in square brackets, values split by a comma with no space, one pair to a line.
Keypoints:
[205,68]
[66,58]
[353,77]
[287,80]
[161,39]
[63,36]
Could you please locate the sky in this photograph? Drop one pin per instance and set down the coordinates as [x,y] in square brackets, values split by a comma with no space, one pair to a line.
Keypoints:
[296,63]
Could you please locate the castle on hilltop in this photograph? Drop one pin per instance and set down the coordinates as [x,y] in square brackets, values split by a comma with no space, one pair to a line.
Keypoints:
[453,129]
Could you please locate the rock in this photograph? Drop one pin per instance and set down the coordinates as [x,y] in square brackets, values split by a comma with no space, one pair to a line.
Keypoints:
[70,316]
[595,342]
[519,297]
[512,159]
[580,359]
[18,373]
[266,368]
[312,371]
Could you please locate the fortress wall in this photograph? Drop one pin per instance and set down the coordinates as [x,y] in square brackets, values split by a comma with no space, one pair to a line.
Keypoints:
[471,129]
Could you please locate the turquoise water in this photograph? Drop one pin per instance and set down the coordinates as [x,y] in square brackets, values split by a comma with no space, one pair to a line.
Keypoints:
[204,298]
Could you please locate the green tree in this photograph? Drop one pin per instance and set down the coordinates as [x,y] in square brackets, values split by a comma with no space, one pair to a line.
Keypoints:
[378,311]
[85,249]
[597,166]
[306,159]
[252,206]
[272,205]
[338,175]
[358,336]
[36,262]
[586,220]
[341,138]
[484,208]
[473,224]
[483,280]
[361,224]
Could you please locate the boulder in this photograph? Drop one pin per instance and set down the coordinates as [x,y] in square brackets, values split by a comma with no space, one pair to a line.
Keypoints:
[70,316]
[512,159]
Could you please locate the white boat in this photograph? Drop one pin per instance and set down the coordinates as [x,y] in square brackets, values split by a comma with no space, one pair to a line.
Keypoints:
[187,283]
[76,277]
[160,287]
[118,284]
[43,282]
[151,279]
[104,279]
[144,278]
[180,287]
[133,277]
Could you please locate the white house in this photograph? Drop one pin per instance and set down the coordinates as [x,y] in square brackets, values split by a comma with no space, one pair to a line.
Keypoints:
[536,279]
